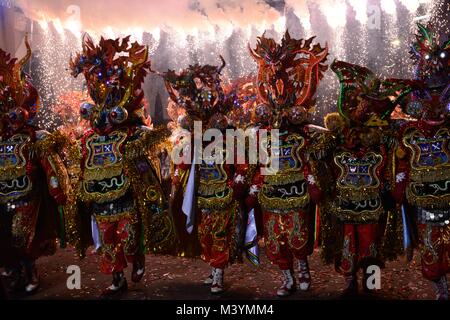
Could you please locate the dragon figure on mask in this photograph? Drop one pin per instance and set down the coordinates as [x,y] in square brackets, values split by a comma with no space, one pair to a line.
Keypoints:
[34,184]
[423,165]
[284,196]
[206,193]
[119,187]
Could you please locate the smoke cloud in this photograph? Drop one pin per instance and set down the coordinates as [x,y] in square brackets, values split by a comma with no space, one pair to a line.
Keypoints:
[186,15]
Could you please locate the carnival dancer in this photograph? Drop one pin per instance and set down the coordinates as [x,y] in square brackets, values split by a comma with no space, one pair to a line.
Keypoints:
[33,180]
[118,190]
[363,177]
[423,170]
[207,190]
[287,190]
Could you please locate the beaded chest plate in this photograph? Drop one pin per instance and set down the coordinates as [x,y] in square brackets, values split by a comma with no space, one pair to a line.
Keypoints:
[285,188]
[358,173]
[287,155]
[358,185]
[428,153]
[103,176]
[429,185]
[14,182]
[213,190]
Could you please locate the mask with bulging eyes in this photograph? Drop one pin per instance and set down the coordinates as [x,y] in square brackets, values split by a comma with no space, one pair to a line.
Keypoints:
[103,118]
[114,71]
[197,89]
[19,100]
[432,58]
[288,76]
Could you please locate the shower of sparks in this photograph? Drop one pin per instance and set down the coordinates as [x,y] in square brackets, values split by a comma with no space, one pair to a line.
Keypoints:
[51,57]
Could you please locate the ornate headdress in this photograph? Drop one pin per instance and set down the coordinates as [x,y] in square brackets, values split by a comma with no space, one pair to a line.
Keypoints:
[243,94]
[432,56]
[288,74]
[114,71]
[432,66]
[366,100]
[18,98]
[198,90]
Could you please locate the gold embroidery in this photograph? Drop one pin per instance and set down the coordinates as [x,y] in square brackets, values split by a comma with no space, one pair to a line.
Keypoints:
[13,174]
[284,178]
[293,142]
[290,171]
[216,203]
[213,178]
[272,237]
[15,194]
[366,216]
[12,151]
[104,197]
[347,255]
[439,171]
[130,214]
[435,149]
[299,231]
[108,148]
[428,251]
[364,189]
[427,201]
[131,240]
[270,204]
[110,166]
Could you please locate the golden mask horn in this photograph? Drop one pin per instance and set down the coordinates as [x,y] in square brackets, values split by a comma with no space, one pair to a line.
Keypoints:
[126,97]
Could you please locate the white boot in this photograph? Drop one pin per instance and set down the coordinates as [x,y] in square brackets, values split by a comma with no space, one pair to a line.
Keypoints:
[209,280]
[217,284]
[441,288]
[288,286]
[304,277]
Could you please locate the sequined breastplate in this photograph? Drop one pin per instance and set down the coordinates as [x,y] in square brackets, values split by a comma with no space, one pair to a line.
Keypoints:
[14,181]
[213,191]
[358,187]
[284,186]
[429,185]
[103,177]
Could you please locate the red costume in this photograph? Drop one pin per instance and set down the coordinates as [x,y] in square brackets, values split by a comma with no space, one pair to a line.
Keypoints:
[423,169]
[287,80]
[206,194]
[33,180]
[362,171]
[118,184]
